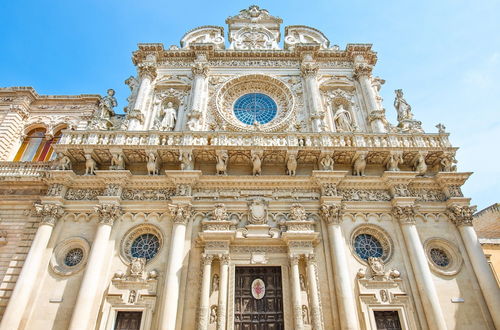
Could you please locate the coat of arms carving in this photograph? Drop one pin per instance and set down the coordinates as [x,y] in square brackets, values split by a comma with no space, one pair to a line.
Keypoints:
[257,211]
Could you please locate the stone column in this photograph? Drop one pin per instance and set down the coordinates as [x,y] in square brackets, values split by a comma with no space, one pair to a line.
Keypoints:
[343,289]
[224,282]
[309,70]
[181,214]
[312,284]
[297,304]
[147,73]
[376,115]
[198,95]
[205,292]
[28,279]
[461,216]
[87,304]
[432,308]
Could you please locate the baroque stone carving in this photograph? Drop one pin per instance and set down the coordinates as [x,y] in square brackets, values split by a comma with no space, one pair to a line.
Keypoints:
[117,161]
[257,209]
[297,212]
[187,160]
[359,163]
[419,164]
[181,213]
[392,162]
[256,161]
[62,162]
[90,165]
[221,166]
[55,189]
[343,120]
[204,35]
[405,116]
[377,272]
[220,213]
[300,34]
[327,163]
[75,194]
[147,194]
[461,215]
[332,214]
[169,117]
[153,164]
[108,213]
[291,163]
[49,212]
[405,214]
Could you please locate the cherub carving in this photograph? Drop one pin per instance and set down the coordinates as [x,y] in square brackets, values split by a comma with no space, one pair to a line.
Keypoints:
[90,165]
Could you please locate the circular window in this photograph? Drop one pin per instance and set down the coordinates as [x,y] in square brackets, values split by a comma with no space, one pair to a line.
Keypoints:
[73,257]
[70,256]
[145,246]
[443,256]
[142,241]
[367,246]
[255,108]
[439,257]
[371,241]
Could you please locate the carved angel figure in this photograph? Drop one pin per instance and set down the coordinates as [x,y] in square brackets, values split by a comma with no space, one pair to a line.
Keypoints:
[169,117]
[221,166]
[402,107]
[343,120]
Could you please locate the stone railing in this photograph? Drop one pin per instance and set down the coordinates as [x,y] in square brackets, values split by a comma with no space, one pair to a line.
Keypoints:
[252,139]
[23,169]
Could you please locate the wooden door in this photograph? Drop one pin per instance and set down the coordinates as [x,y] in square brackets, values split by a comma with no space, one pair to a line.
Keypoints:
[128,321]
[252,313]
[387,320]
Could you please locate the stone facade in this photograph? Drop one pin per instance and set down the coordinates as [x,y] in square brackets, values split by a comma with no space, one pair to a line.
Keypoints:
[235,154]
[487,225]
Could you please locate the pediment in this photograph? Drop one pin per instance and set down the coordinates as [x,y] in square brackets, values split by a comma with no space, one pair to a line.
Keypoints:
[301,34]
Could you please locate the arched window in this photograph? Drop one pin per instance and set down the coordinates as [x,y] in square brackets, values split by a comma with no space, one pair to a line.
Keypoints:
[36,146]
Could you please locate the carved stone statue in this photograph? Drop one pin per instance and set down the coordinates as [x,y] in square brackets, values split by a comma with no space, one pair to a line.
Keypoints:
[215,283]
[327,163]
[152,164]
[107,104]
[90,165]
[448,164]
[392,163]
[419,165]
[377,267]
[193,123]
[221,166]
[133,84]
[257,162]
[213,314]
[117,161]
[302,283]
[305,314]
[62,162]
[131,297]
[186,159]
[343,120]
[359,164]
[169,117]
[402,107]
[291,164]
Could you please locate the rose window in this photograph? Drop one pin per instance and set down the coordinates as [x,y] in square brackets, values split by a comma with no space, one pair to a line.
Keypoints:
[145,246]
[439,257]
[367,246]
[73,257]
[255,108]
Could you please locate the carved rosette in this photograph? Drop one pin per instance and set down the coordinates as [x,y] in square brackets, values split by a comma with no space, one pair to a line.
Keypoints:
[298,213]
[332,214]
[181,213]
[461,215]
[108,213]
[405,214]
[50,213]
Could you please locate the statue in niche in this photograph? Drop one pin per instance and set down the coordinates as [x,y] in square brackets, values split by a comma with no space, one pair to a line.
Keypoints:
[221,166]
[213,314]
[131,297]
[402,107]
[305,314]
[327,163]
[302,283]
[169,117]
[215,283]
[343,120]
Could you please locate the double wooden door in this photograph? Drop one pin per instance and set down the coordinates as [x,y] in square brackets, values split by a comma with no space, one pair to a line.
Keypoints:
[128,321]
[258,305]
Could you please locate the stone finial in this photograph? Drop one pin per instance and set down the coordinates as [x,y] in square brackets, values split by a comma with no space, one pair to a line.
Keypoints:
[461,215]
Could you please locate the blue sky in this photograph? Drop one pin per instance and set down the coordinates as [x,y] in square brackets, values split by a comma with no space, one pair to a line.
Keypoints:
[445,55]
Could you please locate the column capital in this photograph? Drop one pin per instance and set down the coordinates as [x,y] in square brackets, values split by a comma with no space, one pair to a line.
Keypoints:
[181,213]
[311,259]
[294,259]
[200,69]
[207,259]
[362,69]
[224,259]
[147,70]
[49,212]
[405,213]
[461,215]
[332,214]
[309,69]
[108,213]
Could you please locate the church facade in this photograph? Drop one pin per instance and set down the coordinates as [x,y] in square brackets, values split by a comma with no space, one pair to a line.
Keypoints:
[252,183]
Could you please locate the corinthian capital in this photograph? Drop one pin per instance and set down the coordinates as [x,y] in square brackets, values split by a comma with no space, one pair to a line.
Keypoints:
[147,70]
[461,215]
[50,213]
[181,213]
[332,214]
[362,69]
[309,69]
[200,69]
[108,213]
[405,214]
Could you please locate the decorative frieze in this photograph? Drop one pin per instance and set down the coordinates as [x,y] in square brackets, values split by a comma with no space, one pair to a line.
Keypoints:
[78,194]
[365,194]
[147,194]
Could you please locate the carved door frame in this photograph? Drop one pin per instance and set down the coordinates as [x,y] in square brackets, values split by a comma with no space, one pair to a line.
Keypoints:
[275,260]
